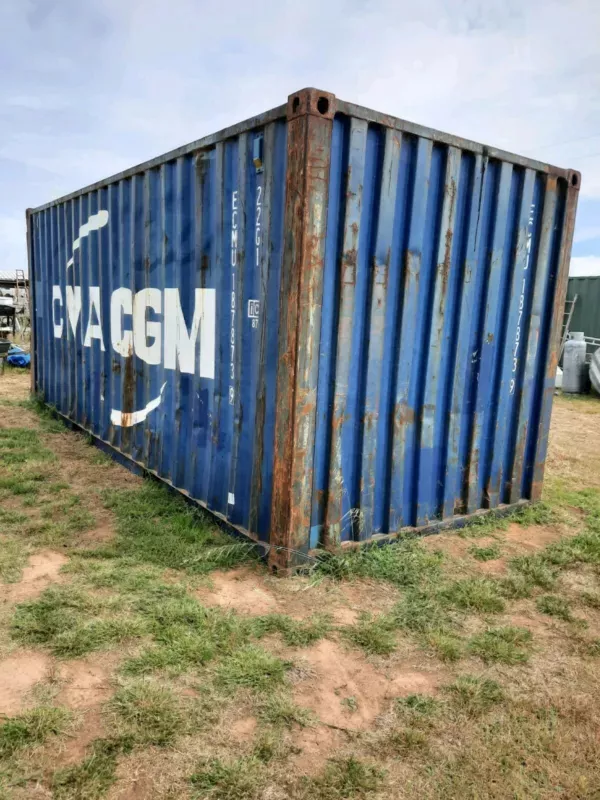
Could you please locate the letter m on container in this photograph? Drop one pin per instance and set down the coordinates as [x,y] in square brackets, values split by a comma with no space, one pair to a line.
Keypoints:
[325,325]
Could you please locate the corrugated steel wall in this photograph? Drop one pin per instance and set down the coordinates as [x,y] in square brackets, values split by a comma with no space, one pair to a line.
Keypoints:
[586,315]
[125,273]
[323,324]
[439,281]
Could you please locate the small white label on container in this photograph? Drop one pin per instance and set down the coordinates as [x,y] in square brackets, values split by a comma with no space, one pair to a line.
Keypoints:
[231,499]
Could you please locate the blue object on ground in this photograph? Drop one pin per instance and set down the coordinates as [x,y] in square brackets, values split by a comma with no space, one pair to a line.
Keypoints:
[17,357]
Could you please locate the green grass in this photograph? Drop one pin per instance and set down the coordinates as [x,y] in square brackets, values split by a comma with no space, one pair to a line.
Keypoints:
[233,779]
[590,599]
[186,634]
[447,646]
[555,606]
[345,778]
[474,696]
[473,595]
[535,570]
[157,527]
[417,706]
[252,667]
[13,557]
[22,446]
[404,563]
[592,648]
[277,708]
[32,728]
[536,514]
[484,525]
[148,713]
[91,778]
[373,634]
[295,633]
[515,587]
[421,612]
[489,553]
[65,619]
[507,645]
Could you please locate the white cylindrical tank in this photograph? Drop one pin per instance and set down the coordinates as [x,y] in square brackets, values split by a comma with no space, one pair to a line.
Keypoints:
[574,368]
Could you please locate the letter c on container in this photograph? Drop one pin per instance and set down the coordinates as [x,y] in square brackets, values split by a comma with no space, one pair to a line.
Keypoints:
[121,303]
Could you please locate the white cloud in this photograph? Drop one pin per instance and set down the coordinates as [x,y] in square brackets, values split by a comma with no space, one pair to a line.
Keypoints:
[584,266]
[587,233]
[91,88]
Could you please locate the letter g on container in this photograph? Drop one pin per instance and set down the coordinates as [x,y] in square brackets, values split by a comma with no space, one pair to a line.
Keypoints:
[324,325]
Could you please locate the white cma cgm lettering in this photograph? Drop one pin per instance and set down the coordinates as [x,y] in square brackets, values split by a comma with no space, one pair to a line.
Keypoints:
[155,341]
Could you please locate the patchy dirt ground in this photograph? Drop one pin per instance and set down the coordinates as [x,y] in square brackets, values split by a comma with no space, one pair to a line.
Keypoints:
[347,685]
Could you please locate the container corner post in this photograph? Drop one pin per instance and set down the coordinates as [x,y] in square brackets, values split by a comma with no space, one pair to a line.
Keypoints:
[310,123]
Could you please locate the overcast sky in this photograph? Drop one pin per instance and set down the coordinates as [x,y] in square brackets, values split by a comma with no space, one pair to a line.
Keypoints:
[90,87]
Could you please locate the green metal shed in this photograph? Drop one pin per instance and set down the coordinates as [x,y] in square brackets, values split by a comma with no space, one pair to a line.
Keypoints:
[586,314]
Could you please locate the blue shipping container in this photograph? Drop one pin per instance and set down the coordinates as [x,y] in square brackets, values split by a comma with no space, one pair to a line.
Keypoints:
[323,324]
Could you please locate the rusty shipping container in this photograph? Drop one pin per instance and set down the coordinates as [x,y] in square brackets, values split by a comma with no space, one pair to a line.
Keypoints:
[324,324]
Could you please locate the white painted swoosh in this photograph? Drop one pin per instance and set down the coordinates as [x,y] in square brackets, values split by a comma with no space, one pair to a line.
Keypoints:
[94,223]
[125,419]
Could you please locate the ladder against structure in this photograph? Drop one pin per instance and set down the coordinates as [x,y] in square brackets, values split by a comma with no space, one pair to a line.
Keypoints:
[569,308]
[21,300]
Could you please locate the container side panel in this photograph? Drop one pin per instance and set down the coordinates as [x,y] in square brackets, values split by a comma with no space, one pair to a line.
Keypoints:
[566,207]
[539,261]
[275,151]
[491,341]
[520,281]
[352,424]
[438,285]
[153,293]
[406,388]
[339,519]
[376,335]
[328,343]
[430,459]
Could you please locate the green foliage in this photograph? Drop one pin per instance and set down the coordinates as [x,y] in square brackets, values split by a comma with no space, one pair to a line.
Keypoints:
[13,557]
[252,667]
[373,634]
[447,646]
[234,779]
[473,695]
[420,611]
[535,570]
[416,706]
[147,713]
[277,708]
[507,645]
[22,446]
[295,633]
[554,606]
[405,563]
[65,619]
[515,587]
[591,599]
[489,553]
[535,514]
[31,728]
[158,527]
[346,777]
[473,594]
[92,777]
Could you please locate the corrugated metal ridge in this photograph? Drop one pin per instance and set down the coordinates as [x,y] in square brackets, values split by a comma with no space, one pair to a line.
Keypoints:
[207,141]
[388,121]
